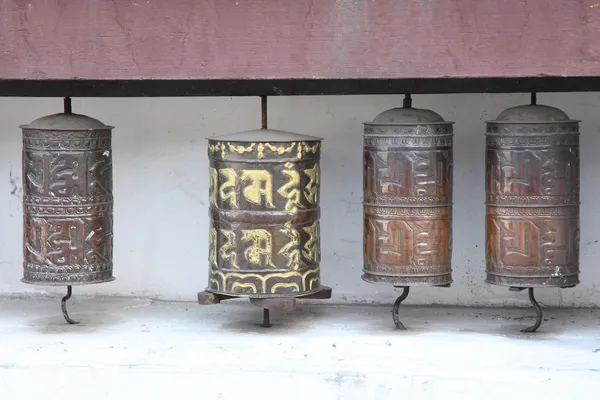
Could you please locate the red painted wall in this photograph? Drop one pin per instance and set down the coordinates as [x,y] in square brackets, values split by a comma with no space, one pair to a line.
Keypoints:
[261,39]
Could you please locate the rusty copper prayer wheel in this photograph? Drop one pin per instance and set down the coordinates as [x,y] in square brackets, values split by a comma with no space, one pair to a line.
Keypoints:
[408,199]
[67,201]
[532,199]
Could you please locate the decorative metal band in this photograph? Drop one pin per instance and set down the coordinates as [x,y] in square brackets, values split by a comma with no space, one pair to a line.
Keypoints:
[286,283]
[379,269]
[70,268]
[409,130]
[67,279]
[568,211]
[545,282]
[374,211]
[66,140]
[441,280]
[408,141]
[398,201]
[73,274]
[518,129]
[264,151]
[65,201]
[533,271]
[532,201]
[275,217]
[64,211]
[511,142]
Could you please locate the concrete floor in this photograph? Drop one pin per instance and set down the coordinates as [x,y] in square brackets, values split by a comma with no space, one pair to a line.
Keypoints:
[140,349]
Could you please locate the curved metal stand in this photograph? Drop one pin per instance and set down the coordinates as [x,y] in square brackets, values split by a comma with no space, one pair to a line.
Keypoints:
[64,306]
[538,310]
[266,318]
[399,300]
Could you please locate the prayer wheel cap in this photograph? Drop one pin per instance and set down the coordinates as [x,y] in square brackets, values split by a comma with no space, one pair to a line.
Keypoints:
[407,116]
[66,122]
[265,135]
[532,113]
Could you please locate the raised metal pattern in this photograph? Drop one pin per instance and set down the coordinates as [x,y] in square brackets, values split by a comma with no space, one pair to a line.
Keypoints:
[408,199]
[67,202]
[532,197]
[264,212]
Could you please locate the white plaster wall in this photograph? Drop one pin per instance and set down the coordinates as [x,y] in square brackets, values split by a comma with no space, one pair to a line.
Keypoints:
[160,188]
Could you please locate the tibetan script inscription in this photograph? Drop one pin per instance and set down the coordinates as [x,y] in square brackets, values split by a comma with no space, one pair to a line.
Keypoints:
[264,218]
[67,205]
[408,204]
[532,193]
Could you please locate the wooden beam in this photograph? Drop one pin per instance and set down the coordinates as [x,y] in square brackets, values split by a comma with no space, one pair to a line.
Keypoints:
[293,87]
[297,39]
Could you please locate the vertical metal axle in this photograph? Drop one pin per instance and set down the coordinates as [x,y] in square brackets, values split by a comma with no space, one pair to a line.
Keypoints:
[399,300]
[407,103]
[263,109]
[64,306]
[266,321]
[538,310]
[67,105]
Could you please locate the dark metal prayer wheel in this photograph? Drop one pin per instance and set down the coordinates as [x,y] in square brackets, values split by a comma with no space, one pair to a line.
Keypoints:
[408,199]
[264,214]
[67,201]
[532,199]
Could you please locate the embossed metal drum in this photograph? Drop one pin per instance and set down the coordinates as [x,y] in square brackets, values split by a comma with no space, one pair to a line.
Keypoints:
[264,214]
[67,201]
[532,190]
[408,198]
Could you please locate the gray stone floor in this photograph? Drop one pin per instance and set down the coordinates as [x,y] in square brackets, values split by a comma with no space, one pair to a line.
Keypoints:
[136,348]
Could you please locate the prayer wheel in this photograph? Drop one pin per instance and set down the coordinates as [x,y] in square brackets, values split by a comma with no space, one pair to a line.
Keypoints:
[408,200]
[67,201]
[264,243]
[532,200]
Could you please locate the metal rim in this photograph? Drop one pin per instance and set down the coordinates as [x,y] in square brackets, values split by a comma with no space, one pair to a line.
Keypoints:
[408,124]
[106,128]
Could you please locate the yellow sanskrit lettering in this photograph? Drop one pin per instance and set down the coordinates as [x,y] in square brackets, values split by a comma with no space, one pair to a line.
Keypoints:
[228,252]
[259,252]
[261,184]
[291,250]
[212,186]
[312,188]
[290,190]
[311,247]
[231,180]
[212,248]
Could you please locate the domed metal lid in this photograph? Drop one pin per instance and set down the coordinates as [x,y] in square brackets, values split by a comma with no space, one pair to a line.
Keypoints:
[532,113]
[66,122]
[265,135]
[407,115]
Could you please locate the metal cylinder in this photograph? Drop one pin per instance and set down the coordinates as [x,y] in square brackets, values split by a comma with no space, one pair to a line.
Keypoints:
[532,197]
[264,214]
[408,198]
[67,201]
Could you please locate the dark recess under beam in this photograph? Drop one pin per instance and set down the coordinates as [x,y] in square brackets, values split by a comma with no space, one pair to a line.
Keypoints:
[179,88]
